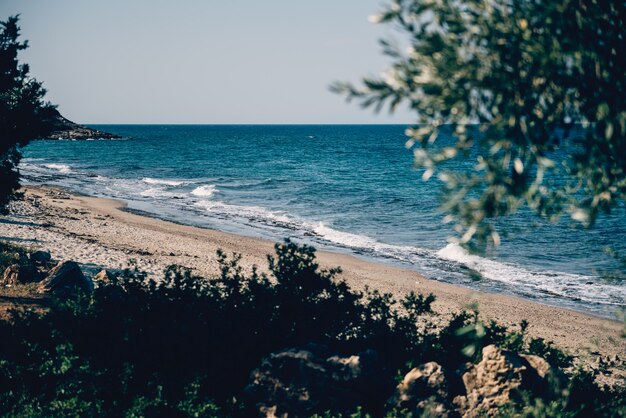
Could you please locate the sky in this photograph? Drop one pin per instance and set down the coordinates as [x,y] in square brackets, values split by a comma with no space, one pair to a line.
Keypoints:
[194,61]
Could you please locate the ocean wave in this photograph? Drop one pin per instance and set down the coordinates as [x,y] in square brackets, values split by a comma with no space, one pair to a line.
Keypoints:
[204,191]
[166,182]
[321,232]
[246,184]
[156,192]
[567,285]
[405,253]
[252,213]
[61,168]
[343,238]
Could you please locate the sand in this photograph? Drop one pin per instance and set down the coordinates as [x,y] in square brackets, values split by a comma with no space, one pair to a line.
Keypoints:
[99,232]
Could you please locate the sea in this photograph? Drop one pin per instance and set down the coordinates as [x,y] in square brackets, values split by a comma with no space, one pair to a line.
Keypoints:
[343,188]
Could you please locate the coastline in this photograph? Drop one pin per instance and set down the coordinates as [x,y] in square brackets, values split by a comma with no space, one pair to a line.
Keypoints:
[99,232]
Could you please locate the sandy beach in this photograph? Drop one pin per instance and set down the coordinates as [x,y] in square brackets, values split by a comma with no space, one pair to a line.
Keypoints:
[99,232]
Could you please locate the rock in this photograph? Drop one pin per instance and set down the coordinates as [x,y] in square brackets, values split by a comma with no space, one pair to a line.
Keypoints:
[19,274]
[104,276]
[41,258]
[425,391]
[66,277]
[304,381]
[10,275]
[66,129]
[501,377]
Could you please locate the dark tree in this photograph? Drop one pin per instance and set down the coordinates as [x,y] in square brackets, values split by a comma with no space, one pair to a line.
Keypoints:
[23,113]
[544,84]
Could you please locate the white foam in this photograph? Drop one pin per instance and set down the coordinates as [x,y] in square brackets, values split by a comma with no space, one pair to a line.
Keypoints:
[154,192]
[253,213]
[405,253]
[61,168]
[320,230]
[149,180]
[454,252]
[344,238]
[566,285]
[204,191]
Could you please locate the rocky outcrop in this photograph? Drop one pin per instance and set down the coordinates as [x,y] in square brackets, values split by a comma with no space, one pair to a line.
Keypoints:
[40,258]
[309,380]
[478,390]
[17,274]
[66,129]
[305,381]
[501,377]
[103,276]
[65,278]
[427,391]
[27,269]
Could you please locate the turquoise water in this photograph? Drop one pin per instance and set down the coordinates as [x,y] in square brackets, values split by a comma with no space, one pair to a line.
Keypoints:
[344,188]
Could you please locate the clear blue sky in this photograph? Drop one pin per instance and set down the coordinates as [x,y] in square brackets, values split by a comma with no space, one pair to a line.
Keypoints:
[193,61]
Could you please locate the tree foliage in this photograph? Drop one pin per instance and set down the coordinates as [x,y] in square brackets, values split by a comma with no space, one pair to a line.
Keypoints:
[544,81]
[23,113]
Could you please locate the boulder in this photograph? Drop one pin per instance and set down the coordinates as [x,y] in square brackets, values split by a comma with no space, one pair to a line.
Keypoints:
[40,258]
[501,377]
[66,277]
[304,381]
[19,274]
[425,391]
[103,276]
[552,381]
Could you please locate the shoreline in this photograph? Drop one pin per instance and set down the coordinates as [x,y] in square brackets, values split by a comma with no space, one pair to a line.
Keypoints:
[320,248]
[102,232]
[339,250]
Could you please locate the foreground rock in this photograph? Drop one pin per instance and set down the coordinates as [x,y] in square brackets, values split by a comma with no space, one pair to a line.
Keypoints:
[66,129]
[40,259]
[302,382]
[104,276]
[17,274]
[311,380]
[479,390]
[65,278]
[501,377]
[428,390]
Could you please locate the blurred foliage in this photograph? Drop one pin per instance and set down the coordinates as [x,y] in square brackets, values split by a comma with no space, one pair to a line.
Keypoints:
[23,114]
[186,345]
[545,84]
[12,254]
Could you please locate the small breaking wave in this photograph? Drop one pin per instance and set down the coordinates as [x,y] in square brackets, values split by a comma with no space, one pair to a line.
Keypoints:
[319,231]
[156,192]
[343,238]
[61,168]
[404,253]
[252,213]
[572,286]
[204,191]
[166,182]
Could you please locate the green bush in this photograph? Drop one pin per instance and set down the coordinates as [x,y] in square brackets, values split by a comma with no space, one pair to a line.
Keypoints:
[11,254]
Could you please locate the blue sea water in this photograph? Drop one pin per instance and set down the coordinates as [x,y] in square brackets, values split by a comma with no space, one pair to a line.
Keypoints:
[348,188]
